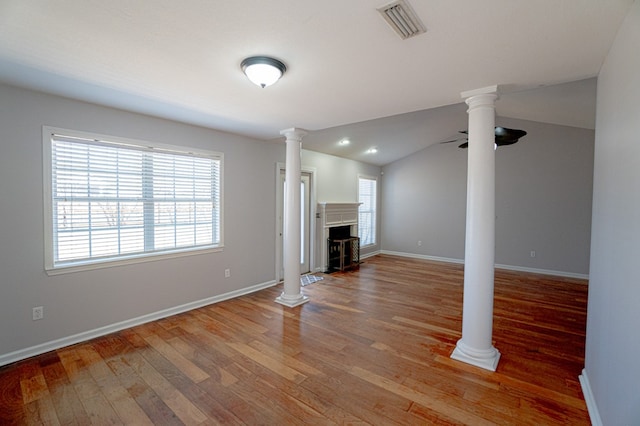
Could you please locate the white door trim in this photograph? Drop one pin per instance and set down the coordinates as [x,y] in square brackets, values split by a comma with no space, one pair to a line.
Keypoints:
[311,171]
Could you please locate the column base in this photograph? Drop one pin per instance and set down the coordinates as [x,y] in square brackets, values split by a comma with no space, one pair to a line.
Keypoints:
[487,359]
[292,301]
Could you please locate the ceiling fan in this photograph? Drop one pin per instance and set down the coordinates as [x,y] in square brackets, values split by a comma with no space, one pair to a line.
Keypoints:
[504,136]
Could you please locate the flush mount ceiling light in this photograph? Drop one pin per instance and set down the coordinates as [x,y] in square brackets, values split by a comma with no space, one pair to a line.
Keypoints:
[263,70]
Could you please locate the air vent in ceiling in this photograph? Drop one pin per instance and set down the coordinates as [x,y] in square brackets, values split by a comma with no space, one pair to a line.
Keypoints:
[401,17]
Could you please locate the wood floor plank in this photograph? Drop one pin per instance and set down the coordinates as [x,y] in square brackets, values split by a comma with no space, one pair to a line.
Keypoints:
[11,402]
[272,364]
[41,412]
[248,411]
[147,399]
[284,409]
[161,384]
[33,388]
[372,346]
[353,395]
[93,400]
[277,354]
[176,358]
[119,398]
[435,401]
[67,404]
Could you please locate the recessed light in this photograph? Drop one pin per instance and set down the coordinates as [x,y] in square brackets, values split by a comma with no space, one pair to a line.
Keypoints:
[344,142]
[372,150]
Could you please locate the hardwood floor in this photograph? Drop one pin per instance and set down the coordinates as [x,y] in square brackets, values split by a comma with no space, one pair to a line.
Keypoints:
[371,347]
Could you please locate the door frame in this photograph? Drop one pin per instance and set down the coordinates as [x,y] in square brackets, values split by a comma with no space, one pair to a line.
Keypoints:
[311,171]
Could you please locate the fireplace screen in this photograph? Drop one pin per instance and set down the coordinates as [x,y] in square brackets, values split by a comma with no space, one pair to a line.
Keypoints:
[343,253]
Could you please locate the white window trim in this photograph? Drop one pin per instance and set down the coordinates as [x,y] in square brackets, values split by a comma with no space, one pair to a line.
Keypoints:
[374,178]
[50,269]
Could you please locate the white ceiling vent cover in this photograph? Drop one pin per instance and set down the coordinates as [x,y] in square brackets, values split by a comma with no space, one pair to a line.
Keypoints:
[401,17]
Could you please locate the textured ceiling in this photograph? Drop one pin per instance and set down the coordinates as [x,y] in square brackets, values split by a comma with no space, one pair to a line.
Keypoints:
[181,60]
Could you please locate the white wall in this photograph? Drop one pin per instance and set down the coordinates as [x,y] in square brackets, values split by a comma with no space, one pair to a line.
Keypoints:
[337,177]
[337,182]
[543,200]
[82,301]
[612,366]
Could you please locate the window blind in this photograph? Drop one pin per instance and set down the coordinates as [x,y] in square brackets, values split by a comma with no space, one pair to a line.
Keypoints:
[367,211]
[111,200]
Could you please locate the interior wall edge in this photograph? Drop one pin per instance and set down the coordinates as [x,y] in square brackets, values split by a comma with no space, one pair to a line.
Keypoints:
[594,414]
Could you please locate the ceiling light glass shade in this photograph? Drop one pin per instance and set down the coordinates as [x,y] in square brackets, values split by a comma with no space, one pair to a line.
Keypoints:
[262,70]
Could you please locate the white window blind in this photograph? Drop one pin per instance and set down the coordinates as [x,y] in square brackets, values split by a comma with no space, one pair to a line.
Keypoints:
[367,211]
[114,200]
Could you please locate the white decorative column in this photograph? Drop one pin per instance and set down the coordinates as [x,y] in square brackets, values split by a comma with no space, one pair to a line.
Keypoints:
[475,347]
[292,295]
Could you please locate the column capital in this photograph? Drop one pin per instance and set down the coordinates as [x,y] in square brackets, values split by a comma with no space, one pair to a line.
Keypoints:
[294,133]
[489,90]
[481,98]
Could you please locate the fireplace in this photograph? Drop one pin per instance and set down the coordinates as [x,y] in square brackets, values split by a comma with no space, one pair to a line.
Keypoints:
[337,231]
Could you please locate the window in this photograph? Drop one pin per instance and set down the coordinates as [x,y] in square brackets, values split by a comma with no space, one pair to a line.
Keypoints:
[367,210]
[109,199]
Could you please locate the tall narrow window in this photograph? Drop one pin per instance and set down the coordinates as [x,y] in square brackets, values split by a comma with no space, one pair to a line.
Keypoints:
[111,199]
[367,210]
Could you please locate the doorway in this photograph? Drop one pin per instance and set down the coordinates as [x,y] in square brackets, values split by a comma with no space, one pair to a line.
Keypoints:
[307,213]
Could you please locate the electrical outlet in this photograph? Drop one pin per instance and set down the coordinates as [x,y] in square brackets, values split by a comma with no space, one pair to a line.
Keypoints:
[419,242]
[533,253]
[38,313]
[227,273]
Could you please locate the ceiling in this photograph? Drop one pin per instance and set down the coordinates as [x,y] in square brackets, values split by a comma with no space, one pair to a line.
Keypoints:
[349,74]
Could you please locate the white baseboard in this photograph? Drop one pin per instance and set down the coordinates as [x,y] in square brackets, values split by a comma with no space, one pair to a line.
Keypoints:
[594,414]
[90,334]
[498,266]
[364,256]
[544,271]
[422,256]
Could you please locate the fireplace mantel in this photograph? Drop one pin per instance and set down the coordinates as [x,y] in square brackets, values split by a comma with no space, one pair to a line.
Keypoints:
[338,214]
[331,215]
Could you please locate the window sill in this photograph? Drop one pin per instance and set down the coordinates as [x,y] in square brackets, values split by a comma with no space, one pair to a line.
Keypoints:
[142,258]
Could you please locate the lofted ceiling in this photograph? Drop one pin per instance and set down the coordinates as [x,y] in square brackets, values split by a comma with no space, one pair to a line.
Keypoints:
[349,75]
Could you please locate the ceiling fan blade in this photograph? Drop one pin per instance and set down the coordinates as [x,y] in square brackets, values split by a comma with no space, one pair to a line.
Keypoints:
[506,136]
[503,136]
[454,140]
[509,133]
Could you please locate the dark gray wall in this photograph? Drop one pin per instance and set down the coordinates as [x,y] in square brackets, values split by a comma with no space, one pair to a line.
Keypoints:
[543,200]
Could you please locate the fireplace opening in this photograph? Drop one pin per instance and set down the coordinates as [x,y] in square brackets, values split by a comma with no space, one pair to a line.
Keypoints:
[339,232]
[343,249]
